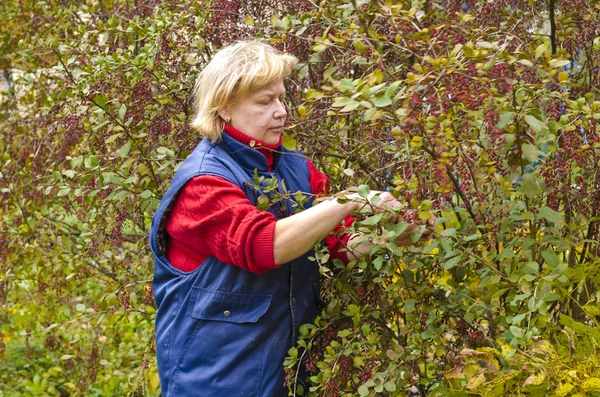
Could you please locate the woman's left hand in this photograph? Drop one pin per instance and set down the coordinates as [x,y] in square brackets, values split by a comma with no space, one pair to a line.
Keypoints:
[416,225]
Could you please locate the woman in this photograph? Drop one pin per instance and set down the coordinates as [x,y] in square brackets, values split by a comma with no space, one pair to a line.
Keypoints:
[232,283]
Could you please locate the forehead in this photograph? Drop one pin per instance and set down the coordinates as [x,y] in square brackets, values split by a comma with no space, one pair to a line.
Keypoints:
[277,88]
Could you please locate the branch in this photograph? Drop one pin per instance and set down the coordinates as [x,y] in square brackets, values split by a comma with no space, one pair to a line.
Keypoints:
[552,26]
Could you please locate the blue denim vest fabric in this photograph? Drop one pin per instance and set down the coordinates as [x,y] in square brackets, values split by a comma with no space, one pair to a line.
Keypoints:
[221,330]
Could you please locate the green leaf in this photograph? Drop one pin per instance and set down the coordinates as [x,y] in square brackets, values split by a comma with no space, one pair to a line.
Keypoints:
[90,162]
[390,386]
[534,123]
[343,101]
[434,244]
[122,111]
[541,49]
[350,107]
[381,102]
[392,89]
[551,258]
[530,186]
[531,152]
[505,119]
[550,215]
[358,361]
[452,262]
[531,268]
[363,191]
[516,331]
[101,100]
[124,150]
[450,232]
[353,309]
[64,190]
[472,237]
[363,390]
[359,45]
[559,63]
[303,330]
[378,262]
[399,228]
[373,220]
[409,305]
[344,333]
[372,114]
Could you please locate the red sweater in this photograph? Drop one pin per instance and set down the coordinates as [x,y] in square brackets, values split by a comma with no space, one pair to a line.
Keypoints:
[213,217]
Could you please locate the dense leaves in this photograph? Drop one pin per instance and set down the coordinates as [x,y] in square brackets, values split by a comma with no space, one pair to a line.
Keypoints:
[484,113]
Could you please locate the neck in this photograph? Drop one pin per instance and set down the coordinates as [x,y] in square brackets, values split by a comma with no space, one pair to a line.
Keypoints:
[246,140]
[264,148]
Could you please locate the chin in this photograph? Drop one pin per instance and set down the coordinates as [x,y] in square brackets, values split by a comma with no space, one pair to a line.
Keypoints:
[273,137]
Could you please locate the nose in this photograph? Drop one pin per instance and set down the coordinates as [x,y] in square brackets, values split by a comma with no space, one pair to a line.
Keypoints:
[280,109]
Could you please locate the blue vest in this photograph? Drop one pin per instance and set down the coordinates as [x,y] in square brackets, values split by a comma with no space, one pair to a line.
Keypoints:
[221,330]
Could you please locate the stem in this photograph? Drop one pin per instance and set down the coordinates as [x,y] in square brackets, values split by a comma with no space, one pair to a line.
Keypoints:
[454,182]
[492,268]
[552,26]
[591,232]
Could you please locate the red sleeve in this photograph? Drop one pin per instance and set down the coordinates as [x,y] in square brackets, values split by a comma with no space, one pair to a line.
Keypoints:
[335,242]
[213,217]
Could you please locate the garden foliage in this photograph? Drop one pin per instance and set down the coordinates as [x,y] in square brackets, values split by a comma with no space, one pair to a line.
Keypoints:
[483,113]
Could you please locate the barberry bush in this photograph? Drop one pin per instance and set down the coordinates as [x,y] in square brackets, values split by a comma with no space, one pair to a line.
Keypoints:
[484,114]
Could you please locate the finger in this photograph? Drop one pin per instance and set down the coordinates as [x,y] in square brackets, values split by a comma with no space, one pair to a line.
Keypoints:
[426,235]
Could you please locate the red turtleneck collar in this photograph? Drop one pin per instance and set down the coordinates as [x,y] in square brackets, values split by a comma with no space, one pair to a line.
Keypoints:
[265,148]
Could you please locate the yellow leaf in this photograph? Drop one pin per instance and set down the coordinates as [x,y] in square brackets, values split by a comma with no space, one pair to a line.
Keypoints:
[535,380]
[592,384]
[248,20]
[563,76]
[359,45]
[471,371]
[154,380]
[289,142]
[563,389]
[424,215]
[302,110]
[476,381]
[455,373]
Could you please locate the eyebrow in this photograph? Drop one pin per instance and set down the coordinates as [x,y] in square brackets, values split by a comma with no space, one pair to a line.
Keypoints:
[271,94]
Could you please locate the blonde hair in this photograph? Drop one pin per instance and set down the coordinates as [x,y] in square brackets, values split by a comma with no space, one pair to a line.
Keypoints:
[232,74]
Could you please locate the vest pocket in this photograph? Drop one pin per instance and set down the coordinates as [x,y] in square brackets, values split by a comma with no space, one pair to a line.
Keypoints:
[231,307]
[223,356]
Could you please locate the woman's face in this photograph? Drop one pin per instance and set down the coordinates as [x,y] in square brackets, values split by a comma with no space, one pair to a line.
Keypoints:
[261,115]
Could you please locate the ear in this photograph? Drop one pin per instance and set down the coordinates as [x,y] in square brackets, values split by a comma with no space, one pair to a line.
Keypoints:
[224,114]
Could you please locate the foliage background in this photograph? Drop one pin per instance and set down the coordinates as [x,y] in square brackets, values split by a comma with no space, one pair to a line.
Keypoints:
[490,109]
